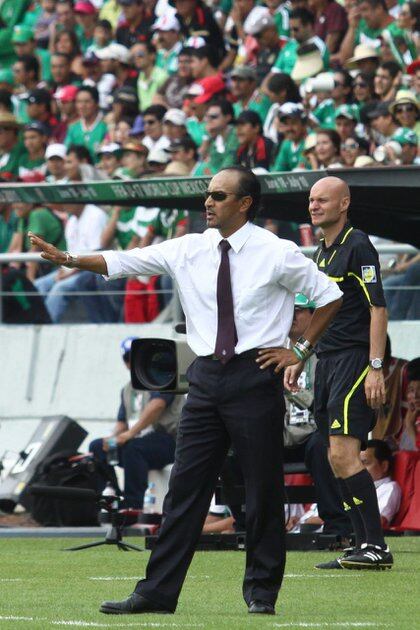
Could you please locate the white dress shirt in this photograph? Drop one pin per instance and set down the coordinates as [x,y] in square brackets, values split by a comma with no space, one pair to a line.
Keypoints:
[266,273]
[83,233]
[389,497]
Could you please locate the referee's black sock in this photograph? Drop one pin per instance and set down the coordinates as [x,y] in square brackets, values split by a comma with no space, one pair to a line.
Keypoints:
[352,511]
[364,499]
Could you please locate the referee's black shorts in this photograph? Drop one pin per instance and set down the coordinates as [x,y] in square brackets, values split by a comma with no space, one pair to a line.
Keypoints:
[340,405]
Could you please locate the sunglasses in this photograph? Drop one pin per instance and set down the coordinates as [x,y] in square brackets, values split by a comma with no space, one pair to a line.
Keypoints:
[404,108]
[217,195]
[349,146]
[361,84]
[150,121]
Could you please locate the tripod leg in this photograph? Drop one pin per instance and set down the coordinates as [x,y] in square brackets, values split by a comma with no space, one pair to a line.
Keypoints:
[87,546]
[126,546]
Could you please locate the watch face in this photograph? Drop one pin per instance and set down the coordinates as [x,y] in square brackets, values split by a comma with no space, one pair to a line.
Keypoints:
[376,364]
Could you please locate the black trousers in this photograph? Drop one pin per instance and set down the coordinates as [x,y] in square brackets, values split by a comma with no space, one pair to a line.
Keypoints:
[240,404]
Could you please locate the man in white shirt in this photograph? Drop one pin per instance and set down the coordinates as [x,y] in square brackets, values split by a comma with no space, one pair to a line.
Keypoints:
[378,459]
[237,284]
[83,232]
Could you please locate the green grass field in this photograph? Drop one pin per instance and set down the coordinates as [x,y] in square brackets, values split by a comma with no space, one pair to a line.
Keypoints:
[43,587]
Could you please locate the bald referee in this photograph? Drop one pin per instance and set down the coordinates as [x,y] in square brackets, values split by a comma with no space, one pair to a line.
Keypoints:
[237,284]
[349,381]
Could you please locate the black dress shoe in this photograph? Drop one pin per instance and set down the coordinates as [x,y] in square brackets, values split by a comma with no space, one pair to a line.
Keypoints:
[133,605]
[261,608]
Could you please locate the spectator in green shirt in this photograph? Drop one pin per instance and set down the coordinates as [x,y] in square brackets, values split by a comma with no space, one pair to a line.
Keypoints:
[249,97]
[151,78]
[8,226]
[32,165]
[26,72]
[222,144]
[293,119]
[167,28]
[11,13]
[23,41]
[90,129]
[326,111]
[10,146]
[86,16]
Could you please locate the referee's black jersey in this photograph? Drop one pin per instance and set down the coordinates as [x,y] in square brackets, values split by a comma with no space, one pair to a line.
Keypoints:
[353,263]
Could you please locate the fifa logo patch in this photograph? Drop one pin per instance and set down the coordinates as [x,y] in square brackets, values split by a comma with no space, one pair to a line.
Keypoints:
[369,274]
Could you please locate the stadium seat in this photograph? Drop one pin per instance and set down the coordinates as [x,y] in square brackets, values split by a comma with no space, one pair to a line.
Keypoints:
[407,474]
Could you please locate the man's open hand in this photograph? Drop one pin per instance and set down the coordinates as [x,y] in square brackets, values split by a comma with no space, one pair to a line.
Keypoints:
[48,251]
[375,388]
[280,357]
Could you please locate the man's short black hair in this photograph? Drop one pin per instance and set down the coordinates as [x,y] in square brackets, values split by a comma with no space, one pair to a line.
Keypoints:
[65,56]
[92,90]
[226,106]
[105,24]
[381,451]
[185,143]
[413,370]
[31,64]
[248,185]
[304,15]
[392,67]
[251,117]
[280,82]
[155,110]
[81,152]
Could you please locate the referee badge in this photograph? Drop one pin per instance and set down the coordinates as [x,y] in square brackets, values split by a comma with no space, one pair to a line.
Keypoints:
[369,274]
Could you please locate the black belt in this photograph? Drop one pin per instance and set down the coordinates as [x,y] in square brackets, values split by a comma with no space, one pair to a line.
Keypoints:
[248,354]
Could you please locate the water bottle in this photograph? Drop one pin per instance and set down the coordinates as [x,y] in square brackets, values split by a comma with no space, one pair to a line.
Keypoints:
[112,455]
[149,501]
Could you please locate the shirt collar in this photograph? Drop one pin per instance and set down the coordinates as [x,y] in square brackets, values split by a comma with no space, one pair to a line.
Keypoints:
[236,240]
[341,238]
[380,482]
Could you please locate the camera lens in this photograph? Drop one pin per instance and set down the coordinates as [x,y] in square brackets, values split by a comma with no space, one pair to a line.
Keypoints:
[154,363]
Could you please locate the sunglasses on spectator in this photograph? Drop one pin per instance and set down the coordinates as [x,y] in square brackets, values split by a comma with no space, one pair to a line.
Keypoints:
[150,121]
[347,146]
[360,84]
[141,54]
[404,108]
[217,195]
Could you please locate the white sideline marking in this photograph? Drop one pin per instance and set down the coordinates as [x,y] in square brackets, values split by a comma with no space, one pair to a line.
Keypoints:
[145,624]
[110,578]
[321,575]
[11,580]
[14,618]
[332,624]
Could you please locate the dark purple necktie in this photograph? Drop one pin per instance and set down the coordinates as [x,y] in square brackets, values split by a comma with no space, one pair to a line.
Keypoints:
[226,331]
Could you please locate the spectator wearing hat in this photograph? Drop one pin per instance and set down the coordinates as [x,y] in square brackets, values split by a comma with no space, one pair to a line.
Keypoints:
[167,29]
[222,143]
[157,160]
[174,124]
[173,92]
[110,159]
[115,60]
[197,19]
[264,29]
[293,119]
[365,58]
[150,78]
[61,72]
[248,96]
[255,151]
[54,155]
[330,22]
[407,139]
[302,23]
[406,111]
[137,23]
[382,123]
[202,91]
[86,17]
[11,148]
[327,149]
[387,79]
[353,147]
[32,165]
[65,99]
[39,109]
[153,127]
[368,19]
[326,112]
[23,41]
[184,150]
[134,158]
[346,119]
[90,129]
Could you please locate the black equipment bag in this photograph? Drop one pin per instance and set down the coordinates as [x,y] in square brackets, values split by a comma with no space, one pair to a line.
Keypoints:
[66,469]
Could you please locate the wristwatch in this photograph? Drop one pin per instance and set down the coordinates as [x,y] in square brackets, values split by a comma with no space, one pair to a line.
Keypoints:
[376,364]
[70,260]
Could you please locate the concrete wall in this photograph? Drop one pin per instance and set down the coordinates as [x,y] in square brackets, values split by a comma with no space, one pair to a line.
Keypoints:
[77,370]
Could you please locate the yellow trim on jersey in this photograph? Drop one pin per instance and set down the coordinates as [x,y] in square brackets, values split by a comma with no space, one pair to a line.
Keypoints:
[346,235]
[319,254]
[335,279]
[362,284]
[333,254]
[347,399]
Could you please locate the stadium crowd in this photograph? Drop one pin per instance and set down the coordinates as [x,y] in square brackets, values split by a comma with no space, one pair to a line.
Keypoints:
[122,89]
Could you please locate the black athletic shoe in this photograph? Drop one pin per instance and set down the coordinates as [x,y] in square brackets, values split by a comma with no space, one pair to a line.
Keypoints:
[335,564]
[369,557]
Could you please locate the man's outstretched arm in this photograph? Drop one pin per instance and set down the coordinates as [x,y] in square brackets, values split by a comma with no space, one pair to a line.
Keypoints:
[93,262]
